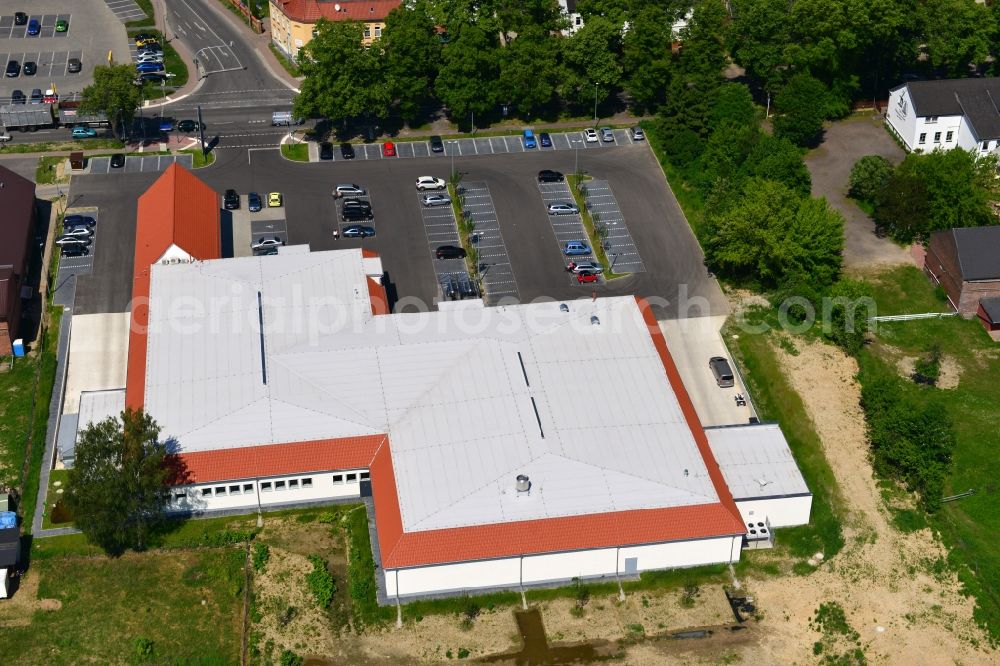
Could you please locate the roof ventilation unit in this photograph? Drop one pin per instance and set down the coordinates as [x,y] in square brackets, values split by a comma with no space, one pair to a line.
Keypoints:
[563,307]
[595,320]
[522,484]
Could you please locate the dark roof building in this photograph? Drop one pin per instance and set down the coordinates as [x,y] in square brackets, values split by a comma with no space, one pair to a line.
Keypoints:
[966,263]
[946,114]
[17,201]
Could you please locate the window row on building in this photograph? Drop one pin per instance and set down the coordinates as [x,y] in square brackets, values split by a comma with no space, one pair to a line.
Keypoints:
[302,483]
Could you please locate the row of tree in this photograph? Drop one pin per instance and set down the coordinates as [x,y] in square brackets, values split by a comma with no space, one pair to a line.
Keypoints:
[927,192]
[479,58]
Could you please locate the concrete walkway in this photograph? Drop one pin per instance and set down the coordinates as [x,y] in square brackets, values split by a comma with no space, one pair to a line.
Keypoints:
[830,164]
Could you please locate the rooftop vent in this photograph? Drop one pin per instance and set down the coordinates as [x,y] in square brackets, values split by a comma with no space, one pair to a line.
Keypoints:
[563,307]
[522,484]
[595,320]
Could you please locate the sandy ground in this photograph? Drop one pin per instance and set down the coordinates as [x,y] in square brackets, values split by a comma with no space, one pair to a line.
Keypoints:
[17,611]
[882,578]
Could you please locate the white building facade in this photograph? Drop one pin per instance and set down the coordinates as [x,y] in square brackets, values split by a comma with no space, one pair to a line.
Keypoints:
[946,114]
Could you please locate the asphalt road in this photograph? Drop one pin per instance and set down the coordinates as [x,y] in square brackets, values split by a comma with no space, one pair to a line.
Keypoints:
[237,93]
[675,280]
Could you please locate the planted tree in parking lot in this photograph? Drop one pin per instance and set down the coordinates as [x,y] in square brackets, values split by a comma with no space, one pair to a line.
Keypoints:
[114,94]
[343,78]
[117,490]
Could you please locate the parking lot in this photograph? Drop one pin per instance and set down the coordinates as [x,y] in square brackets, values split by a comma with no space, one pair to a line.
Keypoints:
[249,228]
[494,264]
[80,265]
[139,163]
[92,31]
[493,145]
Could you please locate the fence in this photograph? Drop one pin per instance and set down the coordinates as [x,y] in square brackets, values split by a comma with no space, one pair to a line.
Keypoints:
[909,317]
[255,23]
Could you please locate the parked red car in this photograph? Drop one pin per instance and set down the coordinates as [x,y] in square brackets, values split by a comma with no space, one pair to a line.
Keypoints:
[388,149]
[584,278]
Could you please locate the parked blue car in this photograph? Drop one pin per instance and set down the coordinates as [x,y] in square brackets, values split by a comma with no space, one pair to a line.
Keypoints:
[574,248]
[33,27]
[545,140]
[529,139]
[144,67]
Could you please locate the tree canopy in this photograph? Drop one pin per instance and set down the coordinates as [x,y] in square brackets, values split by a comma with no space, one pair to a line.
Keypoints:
[114,94]
[117,490]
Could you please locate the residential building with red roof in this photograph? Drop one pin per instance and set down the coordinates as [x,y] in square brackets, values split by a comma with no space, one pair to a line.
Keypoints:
[293,22]
[501,447]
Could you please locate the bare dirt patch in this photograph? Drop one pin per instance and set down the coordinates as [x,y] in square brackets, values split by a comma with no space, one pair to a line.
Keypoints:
[17,611]
[882,578]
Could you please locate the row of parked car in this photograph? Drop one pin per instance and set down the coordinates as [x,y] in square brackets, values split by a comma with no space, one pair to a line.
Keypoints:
[37,97]
[77,235]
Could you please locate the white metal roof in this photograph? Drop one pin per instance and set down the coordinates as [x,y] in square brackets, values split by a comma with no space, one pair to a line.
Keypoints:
[456,390]
[756,461]
[95,406]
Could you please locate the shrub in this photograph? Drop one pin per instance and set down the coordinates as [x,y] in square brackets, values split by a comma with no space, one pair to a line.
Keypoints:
[802,105]
[320,582]
[289,658]
[869,176]
[260,555]
[928,369]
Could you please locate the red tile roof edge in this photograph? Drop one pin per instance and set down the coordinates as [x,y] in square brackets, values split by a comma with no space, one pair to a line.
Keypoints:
[311,11]
[246,462]
[378,298]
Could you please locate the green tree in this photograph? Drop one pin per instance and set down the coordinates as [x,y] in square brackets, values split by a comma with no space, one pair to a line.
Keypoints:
[801,107]
[869,177]
[117,489]
[530,71]
[778,159]
[956,34]
[847,306]
[733,104]
[411,50]
[592,63]
[343,78]
[647,57]
[902,209]
[468,79]
[114,94]
[771,235]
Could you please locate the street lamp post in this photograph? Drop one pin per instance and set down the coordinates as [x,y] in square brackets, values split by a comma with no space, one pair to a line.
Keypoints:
[614,258]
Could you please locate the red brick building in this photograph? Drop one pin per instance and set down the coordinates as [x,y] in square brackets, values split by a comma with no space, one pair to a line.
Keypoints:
[966,263]
[17,201]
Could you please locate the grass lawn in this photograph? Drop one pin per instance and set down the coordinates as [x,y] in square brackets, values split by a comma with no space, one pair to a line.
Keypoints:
[150,20]
[45,172]
[201,159]
[289,66]
[968,526]
[68,145]
[187,606]
[297,152]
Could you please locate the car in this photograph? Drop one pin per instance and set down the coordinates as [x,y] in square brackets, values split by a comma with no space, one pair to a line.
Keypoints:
[356,213]
[30,68]
[73,65]
[20,18]
[149,48]
[607,136]
[575,248]
[166,125]
[231,200]
[274,200]
[638,134]
[4,137]
[347,151]
[149,57]
[84,132]
[82,231]
[388,149]
[435,200]
[450,252]
[268,241]
[145,39]
[590,135]
[430,183]
[78,221]
[584,267]
[17,97]
[544,140]
[326,151]
[722,372]
[50,96]
[358,231]
[149,77]
[437,145]
[529,139]
[117,161]
[62,25]
[13,68]
[586,277]
[348,189]
[253,202]
[356,203]
[265,251]
[190,126]
[34,27]
[145,67]
[75,250]
[563,208]
[70,240]
[550,176]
